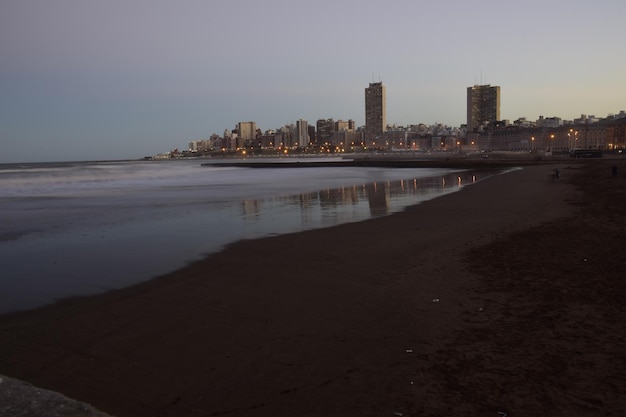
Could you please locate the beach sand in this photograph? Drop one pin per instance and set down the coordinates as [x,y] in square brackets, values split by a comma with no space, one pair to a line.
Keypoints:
[505,297]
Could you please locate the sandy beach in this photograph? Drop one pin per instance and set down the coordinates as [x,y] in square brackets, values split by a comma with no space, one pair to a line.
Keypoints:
[502,298]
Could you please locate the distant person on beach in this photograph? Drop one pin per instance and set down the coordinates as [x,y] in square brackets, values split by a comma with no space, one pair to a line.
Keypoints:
[556,175]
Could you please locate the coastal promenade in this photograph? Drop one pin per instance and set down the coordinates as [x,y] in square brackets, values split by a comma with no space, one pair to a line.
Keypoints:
[502,298]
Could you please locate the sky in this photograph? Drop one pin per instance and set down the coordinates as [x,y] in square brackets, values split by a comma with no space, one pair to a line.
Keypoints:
[123,79]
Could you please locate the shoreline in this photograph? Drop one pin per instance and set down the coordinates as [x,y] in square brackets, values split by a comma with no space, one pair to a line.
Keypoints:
[71,262]
[329,321]
[499,168]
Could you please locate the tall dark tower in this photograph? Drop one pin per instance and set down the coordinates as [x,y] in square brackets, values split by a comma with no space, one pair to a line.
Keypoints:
[483,106]
[375,109]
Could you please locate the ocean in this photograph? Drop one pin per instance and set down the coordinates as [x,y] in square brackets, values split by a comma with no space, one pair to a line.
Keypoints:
[83,228]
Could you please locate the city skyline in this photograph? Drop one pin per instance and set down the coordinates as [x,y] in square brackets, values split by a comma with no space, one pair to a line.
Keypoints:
[121,80]
[482,110]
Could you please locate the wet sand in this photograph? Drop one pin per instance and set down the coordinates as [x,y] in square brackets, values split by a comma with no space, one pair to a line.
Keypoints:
[504,297]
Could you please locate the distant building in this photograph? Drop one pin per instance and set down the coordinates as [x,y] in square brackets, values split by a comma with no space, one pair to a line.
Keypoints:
[302,134]
[288,135]
[232,142]
[246,131]
[586,119]
[549,122]
[483,106]
[194,145]
[343,126]
[269,140]
[375,109]
[312,137]
[522,122]
[325,128]
[616,134]
[344,139]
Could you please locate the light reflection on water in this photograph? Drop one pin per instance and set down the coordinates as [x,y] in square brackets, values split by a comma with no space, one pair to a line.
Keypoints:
[357,202]
[121,245]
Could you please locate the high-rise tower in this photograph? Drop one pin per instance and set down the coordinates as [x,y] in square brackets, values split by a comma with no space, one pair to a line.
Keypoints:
[246,132]
[483,106]
[375,109]
[325,128]
[302,133]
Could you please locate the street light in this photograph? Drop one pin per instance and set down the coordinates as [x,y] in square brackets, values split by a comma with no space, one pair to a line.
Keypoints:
[572,137]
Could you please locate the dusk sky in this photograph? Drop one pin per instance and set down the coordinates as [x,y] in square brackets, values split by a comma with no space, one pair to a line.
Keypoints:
[94,80]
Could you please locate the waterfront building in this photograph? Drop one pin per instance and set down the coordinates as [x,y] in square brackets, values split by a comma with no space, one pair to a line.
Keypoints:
[312,136]
[246,132]
[232,142]
[269,140]
[586,119]
[343,139]
[375,109]
[523,122]
[325,128]
[302,134]
[288,134]
[549,122]
[345,126]
[483,106]
[616,134]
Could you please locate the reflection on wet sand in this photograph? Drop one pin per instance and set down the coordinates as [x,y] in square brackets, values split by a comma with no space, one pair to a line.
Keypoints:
[366,200]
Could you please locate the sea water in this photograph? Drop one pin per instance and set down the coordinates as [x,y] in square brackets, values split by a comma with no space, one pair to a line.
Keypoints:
[71,229]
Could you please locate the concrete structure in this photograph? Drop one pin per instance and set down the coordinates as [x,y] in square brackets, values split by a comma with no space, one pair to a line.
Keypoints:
[312,135]
[345,126]
[586,119]
[375,109]
[483,106]
[616,134]
[246,131]
[325,128]
[288,135]
[302,134]
[557,141]
[553,122]
[344,139]
[270,140]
